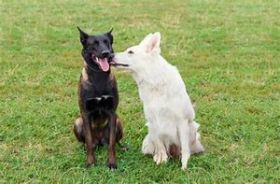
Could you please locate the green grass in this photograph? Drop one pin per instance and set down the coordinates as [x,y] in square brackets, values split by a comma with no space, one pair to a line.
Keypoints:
[226,51]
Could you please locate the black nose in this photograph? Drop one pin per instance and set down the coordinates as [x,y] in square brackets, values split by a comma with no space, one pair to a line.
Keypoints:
[105,53]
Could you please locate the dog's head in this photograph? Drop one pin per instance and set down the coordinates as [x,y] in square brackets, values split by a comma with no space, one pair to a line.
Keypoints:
[139,56]
[97,50]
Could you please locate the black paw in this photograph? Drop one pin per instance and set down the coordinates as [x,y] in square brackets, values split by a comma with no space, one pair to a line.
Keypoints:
[90,164]
[112,166]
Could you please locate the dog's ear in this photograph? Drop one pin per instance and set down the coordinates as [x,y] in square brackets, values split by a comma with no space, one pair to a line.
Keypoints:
[145,41]
[110,36]
[152,43]
[83,36]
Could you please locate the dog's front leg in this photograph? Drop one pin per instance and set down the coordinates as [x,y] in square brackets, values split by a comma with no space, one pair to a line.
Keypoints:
[88,140]
[112,142]
[160,155]
[184,140]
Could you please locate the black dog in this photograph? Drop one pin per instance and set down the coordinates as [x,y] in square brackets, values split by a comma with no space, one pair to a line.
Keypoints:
[98,123]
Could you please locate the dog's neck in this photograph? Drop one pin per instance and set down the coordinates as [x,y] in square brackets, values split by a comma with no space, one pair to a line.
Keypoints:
[95,74]
[151,75]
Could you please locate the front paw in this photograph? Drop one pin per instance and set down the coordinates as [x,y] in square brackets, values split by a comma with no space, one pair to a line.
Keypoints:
[160,157]
[184,160]
[147,146]
[90,162]
[88,165]
[112,166]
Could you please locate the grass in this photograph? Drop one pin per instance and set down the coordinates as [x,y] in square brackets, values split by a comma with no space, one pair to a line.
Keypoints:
[226,51]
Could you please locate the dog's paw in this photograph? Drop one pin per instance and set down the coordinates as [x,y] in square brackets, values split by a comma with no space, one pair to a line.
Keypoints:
[184,167]
[147,147]
[91,161]
[112,166]
[88,165]
[160,157]
[184,160]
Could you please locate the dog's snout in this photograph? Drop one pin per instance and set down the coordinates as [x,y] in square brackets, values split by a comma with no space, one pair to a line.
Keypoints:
[105,53]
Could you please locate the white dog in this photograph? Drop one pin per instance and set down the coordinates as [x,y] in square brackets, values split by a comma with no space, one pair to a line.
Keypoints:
[168,109]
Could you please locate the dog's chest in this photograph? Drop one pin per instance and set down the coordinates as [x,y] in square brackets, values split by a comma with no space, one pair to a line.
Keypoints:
[98,106]
[99,89]
[99,103]
[165,101]
[99,123]
[149,93]
[98,95]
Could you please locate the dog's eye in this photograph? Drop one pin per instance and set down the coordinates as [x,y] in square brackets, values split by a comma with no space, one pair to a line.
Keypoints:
[130,52]
[105,41]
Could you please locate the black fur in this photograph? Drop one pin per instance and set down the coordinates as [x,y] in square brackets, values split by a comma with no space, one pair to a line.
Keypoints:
[98,99]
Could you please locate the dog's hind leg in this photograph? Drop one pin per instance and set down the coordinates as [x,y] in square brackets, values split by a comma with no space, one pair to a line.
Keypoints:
[148,146]
[119,130]
[183,131]
[119,135]
[195,144]
[78,130]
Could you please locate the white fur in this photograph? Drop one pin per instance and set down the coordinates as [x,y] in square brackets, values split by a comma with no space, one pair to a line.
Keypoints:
[168,109]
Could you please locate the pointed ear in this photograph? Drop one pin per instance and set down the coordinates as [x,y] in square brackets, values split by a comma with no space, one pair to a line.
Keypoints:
[152,43]
[145,41]
[109,34]
[83,36]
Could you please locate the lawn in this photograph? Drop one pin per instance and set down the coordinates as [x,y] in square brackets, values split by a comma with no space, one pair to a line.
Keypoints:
[228,53]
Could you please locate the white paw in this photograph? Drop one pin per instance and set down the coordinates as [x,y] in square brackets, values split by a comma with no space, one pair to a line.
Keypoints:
[160,157]
[184,167]
[148,149]
[184,160]
[147,146]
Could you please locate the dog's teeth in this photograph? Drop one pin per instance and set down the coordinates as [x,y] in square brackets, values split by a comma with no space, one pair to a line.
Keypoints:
[97,59]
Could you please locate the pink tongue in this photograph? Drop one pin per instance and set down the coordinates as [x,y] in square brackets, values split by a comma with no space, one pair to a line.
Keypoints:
[103,63]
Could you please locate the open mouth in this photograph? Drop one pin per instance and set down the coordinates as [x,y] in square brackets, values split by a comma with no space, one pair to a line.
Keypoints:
[103,63]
